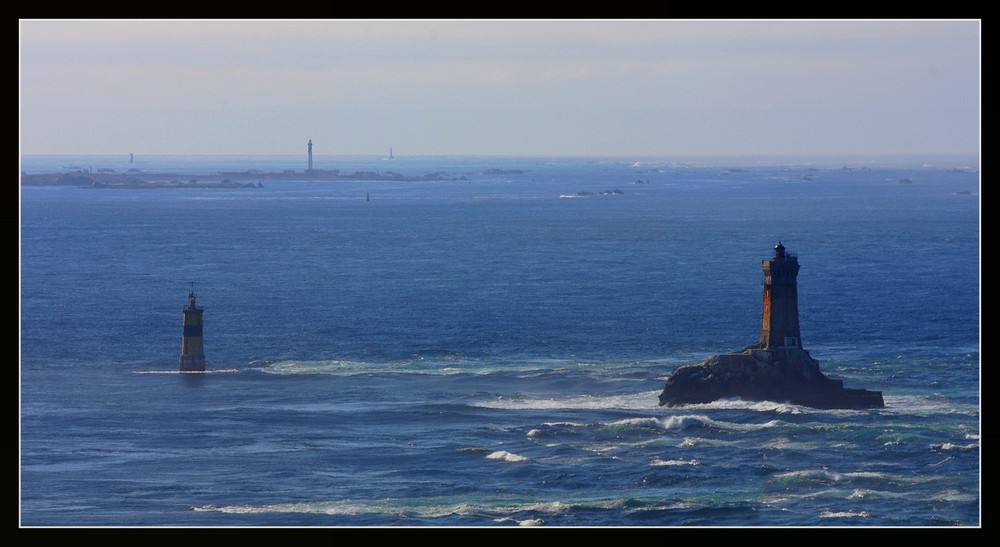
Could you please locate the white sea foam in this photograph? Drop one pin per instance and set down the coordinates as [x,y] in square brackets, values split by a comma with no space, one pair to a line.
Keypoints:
[211,371]
[843,514]
[769,407]
[953,446]
[756,406]
[634,423]
[688,421]
[564,424]
[534,432]
[862,493]
[867,475]
[826,475]
[783,443]
[323,508]
[633,401]
[444,366]
[503,455]
[420,507]
[814,474]
[531,522]
[956,496]
[915,405]
[331,367]
[658,462]
[602,448]
[685,422]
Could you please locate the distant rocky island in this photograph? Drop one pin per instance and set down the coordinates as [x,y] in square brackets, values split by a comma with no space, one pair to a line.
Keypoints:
[83,179]
[775,369]
[134,179]
[335,175]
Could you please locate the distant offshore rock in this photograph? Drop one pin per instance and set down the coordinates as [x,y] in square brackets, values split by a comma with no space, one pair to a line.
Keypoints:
[783,376]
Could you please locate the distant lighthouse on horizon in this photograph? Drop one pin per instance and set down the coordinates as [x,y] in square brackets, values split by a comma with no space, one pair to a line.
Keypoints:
[310,168]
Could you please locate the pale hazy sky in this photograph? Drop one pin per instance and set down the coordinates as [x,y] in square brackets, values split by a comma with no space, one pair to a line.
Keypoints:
[505,87]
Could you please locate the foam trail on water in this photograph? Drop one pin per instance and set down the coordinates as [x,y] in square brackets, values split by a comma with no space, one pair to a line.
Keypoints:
[915,405]
[843,514]
[689,421]
[633,401]
[868,477]
[501,509]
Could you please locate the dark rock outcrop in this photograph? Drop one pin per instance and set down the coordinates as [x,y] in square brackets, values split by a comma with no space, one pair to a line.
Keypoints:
[781,375]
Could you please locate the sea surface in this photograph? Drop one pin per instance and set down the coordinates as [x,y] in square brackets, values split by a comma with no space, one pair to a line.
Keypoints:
[488,351]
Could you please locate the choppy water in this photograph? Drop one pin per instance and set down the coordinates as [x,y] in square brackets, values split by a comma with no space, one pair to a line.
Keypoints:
[488,352]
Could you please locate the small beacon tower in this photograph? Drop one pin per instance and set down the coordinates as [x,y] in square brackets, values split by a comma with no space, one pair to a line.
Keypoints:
[192,344]
[310,168]
[780,323]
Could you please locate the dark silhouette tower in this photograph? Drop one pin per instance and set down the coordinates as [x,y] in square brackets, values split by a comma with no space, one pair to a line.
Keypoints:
[310,168]
[780,323]
[192,344]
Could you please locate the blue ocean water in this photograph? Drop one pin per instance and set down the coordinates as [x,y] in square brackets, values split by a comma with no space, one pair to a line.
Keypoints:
[488,351]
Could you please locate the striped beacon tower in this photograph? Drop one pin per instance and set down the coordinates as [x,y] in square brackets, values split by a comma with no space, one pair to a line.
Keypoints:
[192,344]
[780,322]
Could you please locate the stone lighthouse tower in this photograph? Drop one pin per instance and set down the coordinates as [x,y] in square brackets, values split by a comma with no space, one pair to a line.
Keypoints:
[192,344]
[310,168]
[780,323]
[776,369]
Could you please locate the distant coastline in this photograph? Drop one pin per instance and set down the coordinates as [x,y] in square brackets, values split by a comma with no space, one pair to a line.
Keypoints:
[134,179]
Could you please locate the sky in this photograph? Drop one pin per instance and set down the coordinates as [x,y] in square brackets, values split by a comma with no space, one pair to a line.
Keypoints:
[650,88]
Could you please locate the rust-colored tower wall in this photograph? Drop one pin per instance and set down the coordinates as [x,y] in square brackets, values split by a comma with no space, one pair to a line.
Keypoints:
[780,319]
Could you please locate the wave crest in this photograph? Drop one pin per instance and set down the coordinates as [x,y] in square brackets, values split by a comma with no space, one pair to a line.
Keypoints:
[503,455]
[824,475]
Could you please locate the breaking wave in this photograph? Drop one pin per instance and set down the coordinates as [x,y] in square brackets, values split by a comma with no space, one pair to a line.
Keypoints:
[505,456]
